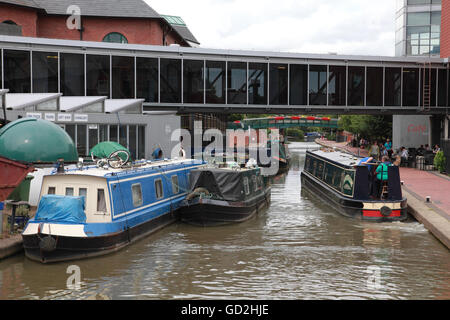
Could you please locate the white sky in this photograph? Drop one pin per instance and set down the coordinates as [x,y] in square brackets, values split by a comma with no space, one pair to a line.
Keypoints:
[363,27]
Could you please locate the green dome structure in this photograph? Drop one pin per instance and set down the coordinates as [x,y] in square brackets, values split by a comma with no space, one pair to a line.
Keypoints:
[36,141]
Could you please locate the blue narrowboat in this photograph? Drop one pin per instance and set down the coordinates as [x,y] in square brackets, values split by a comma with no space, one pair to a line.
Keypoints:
[92,211]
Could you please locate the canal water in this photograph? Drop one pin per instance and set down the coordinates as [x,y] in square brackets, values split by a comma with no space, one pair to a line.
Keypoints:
[299,249]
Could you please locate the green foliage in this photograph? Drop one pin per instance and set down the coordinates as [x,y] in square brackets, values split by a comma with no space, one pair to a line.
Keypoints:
[297,133]
[440,161]
[368,127]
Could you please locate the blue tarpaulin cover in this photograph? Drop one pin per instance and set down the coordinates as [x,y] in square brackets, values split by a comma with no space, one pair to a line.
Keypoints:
[61,209]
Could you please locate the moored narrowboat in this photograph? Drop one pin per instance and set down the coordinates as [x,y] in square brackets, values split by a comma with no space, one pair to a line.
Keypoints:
[339,180]
[224,195]
[92,211]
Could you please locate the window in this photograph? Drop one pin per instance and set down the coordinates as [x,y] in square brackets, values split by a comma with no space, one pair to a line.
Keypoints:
[393,87]
[115,37]
[336,85]
[83,193]
[255,183]
[257,83]
[215,82]
[356,78]
[246,186]
[147,79]
[318,85]
[51,190]
[374,86]
[175,185]
[170,80]
[193,76]
[82,140]
[122,77]
[17,71]
[237,83]
[298,85]
[101,200]
[410,87]
[97,75]
[69,192]
[72,74]
[159,189]
[136,191]
[45,72]
[278,84]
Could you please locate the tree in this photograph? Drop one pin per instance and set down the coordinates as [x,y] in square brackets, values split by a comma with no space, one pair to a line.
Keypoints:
[368,127]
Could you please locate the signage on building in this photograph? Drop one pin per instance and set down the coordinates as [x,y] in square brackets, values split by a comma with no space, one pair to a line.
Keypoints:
[64,117]
[34,115]
[81,118]
[50,117]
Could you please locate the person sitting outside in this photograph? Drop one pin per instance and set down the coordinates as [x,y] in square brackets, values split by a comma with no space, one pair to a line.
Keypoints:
[382,175]
[436,149]
[374,151]
[421,151]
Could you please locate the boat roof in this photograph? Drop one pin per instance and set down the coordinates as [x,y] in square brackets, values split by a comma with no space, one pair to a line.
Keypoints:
[139,167]
[342,158]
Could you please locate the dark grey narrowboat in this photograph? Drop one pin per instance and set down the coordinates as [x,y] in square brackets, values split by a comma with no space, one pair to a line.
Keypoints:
[340,181]
[220,196]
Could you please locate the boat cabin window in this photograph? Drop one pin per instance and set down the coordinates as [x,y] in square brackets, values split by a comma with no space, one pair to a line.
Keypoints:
[255,183]
[175,185]
[69,192]
[246,186]
[101,200]
[136,191]
[159,189]
[83,193]
[51,190]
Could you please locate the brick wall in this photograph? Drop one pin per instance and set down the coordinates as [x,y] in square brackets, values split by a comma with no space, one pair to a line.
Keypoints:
[445,29]
[137,31]
[24,17]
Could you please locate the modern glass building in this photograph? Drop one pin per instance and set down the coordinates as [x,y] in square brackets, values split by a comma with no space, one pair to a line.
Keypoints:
[418,27]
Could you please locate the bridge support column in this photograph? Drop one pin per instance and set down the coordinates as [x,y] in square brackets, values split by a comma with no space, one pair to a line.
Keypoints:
[411,131]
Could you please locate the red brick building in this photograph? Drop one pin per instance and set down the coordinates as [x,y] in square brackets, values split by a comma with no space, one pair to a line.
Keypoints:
[445,29]
[126,21]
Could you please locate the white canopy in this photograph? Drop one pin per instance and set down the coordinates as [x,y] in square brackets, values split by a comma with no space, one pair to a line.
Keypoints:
[83,104]
[32,101]
[124,106]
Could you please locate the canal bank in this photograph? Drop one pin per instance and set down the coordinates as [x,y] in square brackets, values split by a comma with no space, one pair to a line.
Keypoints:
[418,186]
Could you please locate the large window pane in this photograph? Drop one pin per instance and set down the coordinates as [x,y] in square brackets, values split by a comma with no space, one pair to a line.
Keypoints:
[318,85]
[356,86]
[70,129]
[93,136]
[393,87]
[237,83]
[141,142]
[428,90]
[336,85]
[17,71]
[410,87]
[215,82]
[133,143]
[442,90]
[419,18]
[123,77]
[72,74]
[147,79]
[193,86]
[82,140]
[278,84]
[113,133]
[257,83]
[298,84]
[170,80]
[123,136]
[45,72]
[98,75]
[103,133]
[374,87]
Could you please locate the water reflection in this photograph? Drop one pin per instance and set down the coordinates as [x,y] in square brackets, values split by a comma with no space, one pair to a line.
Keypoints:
[300,248]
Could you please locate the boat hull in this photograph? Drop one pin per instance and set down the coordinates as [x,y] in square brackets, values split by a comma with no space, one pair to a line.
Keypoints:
[212,213]
[373,211]
[65,248]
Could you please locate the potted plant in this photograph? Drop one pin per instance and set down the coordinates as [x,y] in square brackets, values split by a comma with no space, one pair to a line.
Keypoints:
[440,161]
